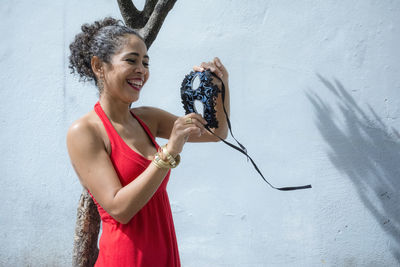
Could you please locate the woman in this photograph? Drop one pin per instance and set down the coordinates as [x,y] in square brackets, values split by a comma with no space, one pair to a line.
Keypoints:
[113,148]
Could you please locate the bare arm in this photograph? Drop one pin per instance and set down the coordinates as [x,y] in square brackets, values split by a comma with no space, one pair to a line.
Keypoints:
[96,173]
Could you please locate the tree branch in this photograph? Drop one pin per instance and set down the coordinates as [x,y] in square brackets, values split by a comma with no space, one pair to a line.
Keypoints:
[153,25]
[131,15]
[149,21]
[148,9]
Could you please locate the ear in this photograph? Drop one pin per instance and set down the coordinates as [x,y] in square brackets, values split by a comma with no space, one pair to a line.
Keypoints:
[97,67]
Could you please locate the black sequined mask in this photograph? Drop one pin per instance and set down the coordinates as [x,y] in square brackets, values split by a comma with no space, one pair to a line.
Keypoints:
[207,93]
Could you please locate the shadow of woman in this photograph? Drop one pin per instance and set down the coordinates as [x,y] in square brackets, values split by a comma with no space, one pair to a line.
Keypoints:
[367,151]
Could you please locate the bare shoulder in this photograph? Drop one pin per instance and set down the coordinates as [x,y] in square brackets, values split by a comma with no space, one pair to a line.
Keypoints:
[154,118]
[146,112]
[86,126]
[85,133]
[86,147]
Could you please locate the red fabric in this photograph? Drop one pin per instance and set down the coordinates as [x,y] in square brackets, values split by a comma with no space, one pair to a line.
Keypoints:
[148,239]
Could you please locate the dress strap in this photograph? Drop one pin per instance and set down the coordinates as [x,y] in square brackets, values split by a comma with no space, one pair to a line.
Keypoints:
[111,132]
[146,129]
[113,135]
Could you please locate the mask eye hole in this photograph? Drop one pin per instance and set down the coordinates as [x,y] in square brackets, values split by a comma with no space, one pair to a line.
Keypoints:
[195,82]
[198,107]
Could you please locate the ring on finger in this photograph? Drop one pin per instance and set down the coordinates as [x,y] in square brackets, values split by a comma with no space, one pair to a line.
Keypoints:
[188,121]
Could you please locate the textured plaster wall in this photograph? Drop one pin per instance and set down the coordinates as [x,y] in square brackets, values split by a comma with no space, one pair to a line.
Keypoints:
[315,98]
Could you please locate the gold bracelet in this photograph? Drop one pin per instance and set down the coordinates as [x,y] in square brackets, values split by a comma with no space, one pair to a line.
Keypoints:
[161,164]
[170,158]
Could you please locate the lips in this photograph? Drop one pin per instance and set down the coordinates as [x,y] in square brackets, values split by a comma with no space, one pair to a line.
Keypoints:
[136,84]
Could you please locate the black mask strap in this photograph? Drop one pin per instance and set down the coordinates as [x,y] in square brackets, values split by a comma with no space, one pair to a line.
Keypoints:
[243,150]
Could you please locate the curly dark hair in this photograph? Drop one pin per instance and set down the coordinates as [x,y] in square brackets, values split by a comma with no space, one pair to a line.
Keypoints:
[102,38]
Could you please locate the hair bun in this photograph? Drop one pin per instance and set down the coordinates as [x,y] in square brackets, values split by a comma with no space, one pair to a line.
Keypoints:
[81,52]
[93,29]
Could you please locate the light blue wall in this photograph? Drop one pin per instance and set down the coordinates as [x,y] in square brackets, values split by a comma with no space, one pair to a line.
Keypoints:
[315,97]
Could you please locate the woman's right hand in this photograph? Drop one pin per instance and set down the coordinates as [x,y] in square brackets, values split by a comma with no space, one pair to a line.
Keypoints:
[184,127]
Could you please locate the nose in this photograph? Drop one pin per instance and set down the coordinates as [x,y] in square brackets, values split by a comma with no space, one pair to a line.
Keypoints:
[141,69]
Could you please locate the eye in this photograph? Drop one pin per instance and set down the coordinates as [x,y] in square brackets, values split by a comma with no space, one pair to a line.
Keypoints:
[131,60]
[146,64]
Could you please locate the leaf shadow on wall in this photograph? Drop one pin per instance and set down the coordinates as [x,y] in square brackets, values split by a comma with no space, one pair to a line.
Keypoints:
[366,150]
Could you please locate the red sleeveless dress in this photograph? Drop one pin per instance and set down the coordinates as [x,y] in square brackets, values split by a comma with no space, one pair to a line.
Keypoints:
[148,239]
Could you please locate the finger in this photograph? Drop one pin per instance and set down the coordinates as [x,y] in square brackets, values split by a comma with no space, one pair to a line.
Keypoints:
[193,130]
[204,64]
[198,68]
[198,117]
[194,117]
[184,121]
[216,70]
[207,65]
[194,122]
[213,68]
[218,62]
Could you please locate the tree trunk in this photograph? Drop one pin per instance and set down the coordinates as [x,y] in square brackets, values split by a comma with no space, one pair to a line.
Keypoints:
[86,232]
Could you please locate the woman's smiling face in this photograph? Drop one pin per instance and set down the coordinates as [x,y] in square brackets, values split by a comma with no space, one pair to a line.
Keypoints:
[128,70]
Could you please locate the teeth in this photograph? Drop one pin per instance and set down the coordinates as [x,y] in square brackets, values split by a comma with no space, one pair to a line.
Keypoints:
[136,83]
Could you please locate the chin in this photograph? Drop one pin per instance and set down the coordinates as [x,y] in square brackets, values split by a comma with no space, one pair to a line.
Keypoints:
[134,98]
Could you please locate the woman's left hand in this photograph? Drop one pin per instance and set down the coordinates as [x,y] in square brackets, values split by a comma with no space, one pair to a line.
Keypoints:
[215,66]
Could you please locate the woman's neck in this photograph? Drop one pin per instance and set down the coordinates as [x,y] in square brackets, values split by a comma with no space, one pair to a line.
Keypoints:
[116,110]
